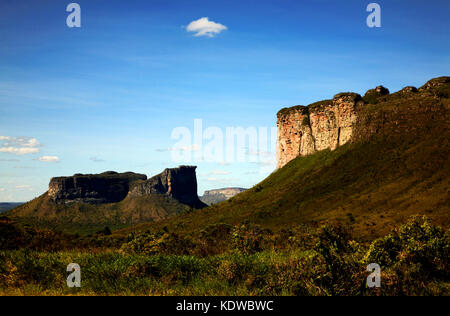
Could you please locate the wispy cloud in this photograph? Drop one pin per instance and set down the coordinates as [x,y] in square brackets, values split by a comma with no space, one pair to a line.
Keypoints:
[220,172]
[193,147]
[205,27]
[23,187]
[215,173]
[225,182]
[19,145]
[48,159]
[95,159]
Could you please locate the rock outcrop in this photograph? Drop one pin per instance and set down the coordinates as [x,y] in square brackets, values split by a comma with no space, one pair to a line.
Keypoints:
[211,197]
[107,187]
[435,83]
[179,183]
[303,130]
[112,187]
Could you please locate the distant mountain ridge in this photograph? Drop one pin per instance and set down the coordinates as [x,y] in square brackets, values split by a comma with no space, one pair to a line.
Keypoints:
[6,206]
[215,196]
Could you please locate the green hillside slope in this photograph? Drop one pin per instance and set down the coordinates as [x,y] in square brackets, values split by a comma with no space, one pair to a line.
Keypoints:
[87,218]
[397,166]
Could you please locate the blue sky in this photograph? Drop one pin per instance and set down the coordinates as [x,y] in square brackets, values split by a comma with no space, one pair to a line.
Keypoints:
[107,96]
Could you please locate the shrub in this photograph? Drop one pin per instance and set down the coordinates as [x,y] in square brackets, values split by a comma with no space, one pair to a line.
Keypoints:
[247,238]
[339,270]
[305,121]
[158,243]
[417,254]
[146,243]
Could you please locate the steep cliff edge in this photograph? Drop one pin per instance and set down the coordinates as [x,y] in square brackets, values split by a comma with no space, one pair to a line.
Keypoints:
[303,130]
[107,187]
[328,124]
[179,183]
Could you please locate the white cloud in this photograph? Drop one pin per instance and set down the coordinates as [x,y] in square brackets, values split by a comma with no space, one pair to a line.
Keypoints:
[205,27]
[19,151]
[19,145]
[48,159]
[23,187]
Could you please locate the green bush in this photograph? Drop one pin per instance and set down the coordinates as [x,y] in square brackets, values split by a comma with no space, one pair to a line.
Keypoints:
[415,256]
[247,238]
[338,261]
[146,243]
[149,243]
[305,121]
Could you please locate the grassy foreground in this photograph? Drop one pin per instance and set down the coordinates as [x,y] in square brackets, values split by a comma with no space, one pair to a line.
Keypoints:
[414,260]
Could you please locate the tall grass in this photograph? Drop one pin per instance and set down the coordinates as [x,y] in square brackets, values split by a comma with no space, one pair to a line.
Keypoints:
[414,260]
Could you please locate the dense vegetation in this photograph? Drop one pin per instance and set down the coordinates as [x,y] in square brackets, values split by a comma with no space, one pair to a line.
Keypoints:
[414,261]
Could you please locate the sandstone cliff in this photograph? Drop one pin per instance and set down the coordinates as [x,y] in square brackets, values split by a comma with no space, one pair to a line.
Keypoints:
[304,130]
[107,187]
[218,195]
[179,183]
[112,187]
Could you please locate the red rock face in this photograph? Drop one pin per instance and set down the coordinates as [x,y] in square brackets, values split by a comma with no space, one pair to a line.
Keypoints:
[325,125]
[294,135]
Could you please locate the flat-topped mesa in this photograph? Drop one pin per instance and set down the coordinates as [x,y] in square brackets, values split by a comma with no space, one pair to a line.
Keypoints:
[112,187]
[303,130]
[227,192]
[107,187]
[215,196]
[179,183]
